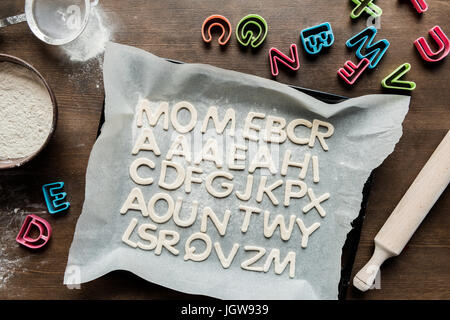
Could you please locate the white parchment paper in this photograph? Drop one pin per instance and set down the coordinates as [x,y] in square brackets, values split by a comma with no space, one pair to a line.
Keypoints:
[366,131]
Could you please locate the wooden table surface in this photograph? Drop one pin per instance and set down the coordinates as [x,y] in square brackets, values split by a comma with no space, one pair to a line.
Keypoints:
[171,29]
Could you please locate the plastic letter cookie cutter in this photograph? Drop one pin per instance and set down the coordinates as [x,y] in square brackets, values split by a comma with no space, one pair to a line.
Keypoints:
[292,63]
[44,228]
[365,6]
[351,72]
[393,81]
[373,51]
[420,5]
[245,30]
[53,198]
[317,37]
[216,21]
[441,40]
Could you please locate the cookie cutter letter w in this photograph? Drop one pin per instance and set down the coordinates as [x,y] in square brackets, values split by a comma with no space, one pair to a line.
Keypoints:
[216,21]
[24,236]
[54,198]
[317,37]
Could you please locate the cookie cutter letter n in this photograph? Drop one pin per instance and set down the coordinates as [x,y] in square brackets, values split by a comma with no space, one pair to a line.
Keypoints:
[365,6]
[292,63]
[441,40]
[317,37]
[373,51]
[351,72]
[393,81]
[54,198]
[216,21]
[252,29]
[24,236]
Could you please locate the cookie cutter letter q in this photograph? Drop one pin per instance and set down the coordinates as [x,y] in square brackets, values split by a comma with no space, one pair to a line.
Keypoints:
[216,21]
[54,198]
[317,37]
[24,236]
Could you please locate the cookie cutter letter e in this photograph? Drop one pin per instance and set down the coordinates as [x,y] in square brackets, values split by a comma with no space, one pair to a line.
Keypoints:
[292,63]
[245,30]
[420,5]
[365,6]
[42,226]
[53,198]
[351,72]
[216,21]
[393,81]
[441,40]
[373,51]
[317,37]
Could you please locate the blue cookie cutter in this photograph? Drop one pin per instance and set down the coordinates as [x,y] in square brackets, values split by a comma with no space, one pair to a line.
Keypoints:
[317,37]
[373,51]
[53,198]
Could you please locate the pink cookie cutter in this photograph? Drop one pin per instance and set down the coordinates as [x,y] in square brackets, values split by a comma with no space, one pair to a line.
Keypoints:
[351,72]
[442,41]
[24,236]
[420,5]
[292,63]
[216,20]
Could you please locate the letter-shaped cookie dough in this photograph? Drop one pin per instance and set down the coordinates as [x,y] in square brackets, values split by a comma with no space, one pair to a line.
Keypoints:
[134,174]
[233,156]
[170,207]
[285,233]
[190,179]
[180,147]
[228,187]
[248,125]
[168,243]
[321,136]
[142,231]
[268,190]
[174,117]
[226,261]
[221,226]
[248,213]
[144,107]
[178,181]
[135,195]
[230,116]
[141,142]
[288,163]
[279,267]
[275,134]
[190,251]
[176,214]
[306,232]
[315,202]
[291,131]
[247,264]
[263,159]
[289,194]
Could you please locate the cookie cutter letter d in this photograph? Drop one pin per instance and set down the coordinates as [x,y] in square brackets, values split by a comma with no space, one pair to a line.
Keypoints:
[54,198]
[43,227]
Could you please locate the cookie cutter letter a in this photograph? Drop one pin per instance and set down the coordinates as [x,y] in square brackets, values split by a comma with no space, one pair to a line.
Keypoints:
[317,37]
[24,236]
[216,21]
[54,198]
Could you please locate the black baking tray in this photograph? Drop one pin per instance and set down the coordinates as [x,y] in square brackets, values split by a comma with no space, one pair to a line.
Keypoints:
[351,244]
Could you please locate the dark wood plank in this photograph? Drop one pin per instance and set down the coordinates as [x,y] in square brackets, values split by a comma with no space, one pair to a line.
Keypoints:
[171,29]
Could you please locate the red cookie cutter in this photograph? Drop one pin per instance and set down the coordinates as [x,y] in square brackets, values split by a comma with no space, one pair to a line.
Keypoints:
[420,5]
[292,63]
[216,20]
[24,236]
[442,41]
[351,72]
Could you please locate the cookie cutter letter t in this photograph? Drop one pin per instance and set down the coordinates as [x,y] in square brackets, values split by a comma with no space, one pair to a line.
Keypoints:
[53,198]
[24,236]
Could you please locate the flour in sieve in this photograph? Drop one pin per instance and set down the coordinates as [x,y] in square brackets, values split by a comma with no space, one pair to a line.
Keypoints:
[26,112]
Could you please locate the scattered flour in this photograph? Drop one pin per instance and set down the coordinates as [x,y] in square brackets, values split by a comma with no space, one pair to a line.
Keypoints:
[92,41]
[26,112]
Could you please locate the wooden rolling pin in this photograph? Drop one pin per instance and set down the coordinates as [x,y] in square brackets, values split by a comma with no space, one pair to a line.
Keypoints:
[409,213]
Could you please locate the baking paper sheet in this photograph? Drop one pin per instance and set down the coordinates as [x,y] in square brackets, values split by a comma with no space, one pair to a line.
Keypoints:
[366,130]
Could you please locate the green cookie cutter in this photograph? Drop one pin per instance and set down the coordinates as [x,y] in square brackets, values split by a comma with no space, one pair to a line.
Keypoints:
[365,6]
[246,36]
[392,81]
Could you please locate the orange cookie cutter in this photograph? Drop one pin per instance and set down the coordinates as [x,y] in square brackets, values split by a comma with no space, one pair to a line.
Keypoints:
[216,20]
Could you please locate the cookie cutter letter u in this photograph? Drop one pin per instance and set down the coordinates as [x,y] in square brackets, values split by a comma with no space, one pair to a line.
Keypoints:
[216,21]
[441,40]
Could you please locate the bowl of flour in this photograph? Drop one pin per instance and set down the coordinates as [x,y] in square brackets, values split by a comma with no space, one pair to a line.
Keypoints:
[28,112]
